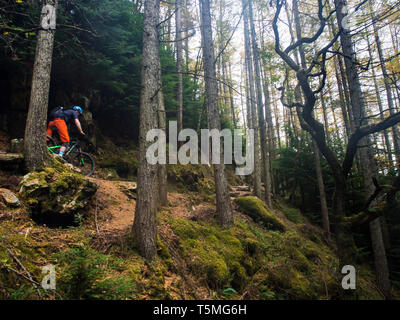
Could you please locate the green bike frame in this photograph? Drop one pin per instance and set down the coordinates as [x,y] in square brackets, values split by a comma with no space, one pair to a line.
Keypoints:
[76,157]
[57,147]
[66,154]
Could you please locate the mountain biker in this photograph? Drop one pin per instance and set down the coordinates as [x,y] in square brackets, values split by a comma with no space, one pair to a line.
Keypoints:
[60,118]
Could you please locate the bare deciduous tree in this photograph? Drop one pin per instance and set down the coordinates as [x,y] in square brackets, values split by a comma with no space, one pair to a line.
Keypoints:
[340,170]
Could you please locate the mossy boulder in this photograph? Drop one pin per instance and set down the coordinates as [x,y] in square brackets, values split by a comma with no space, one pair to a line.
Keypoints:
[259,212]
[207,262]
[213,254]
[55,197]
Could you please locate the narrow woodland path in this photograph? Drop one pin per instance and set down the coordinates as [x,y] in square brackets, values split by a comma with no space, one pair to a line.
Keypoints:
[115,204]
[240,191]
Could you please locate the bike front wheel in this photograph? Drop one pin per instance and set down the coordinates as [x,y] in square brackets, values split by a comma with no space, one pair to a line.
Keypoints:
[84,163]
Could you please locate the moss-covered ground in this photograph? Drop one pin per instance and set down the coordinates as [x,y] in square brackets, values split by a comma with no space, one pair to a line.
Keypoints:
[197,259]
[267,254]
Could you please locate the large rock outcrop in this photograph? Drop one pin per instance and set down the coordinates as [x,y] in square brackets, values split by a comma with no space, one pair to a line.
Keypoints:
[56,198]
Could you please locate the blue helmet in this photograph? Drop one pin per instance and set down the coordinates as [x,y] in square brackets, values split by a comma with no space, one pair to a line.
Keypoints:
[78,108]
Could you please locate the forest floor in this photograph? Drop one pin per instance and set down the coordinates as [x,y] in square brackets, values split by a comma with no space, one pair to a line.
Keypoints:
[117,209]
[197,259]
[114,210]
[281,256]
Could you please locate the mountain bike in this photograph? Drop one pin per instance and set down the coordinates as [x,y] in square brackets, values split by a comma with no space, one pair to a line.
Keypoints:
[74,155]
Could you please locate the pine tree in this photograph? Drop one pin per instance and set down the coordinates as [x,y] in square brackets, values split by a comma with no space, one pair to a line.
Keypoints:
[145,223]
[224,209]
[36,153]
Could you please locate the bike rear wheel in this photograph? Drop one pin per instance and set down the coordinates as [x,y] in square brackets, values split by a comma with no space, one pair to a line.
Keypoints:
[84,162]
[52,145]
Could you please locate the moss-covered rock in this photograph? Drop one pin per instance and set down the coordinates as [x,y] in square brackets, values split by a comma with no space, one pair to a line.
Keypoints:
[251,260]
[259,212]
[214,254]
[9,198]
[55,197]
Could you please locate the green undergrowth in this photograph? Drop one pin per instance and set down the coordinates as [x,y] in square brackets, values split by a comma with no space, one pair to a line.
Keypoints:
[252,262]
[123,162]
[292,214]
[248,261]
[85,273]
[199,178]
[190,177]
[82,271]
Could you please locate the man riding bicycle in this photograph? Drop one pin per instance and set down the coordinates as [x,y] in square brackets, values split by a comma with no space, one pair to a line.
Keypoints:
[60,119]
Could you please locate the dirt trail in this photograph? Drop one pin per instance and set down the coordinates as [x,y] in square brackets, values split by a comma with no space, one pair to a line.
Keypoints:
[116,207]
[240,191]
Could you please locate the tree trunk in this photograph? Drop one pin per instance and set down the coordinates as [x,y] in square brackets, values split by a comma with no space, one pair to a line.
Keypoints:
[318,170]
[35,149]
[382,116]
[252,103]
[169,27]
[381,266]
[332,107]
[366,160]
[224,209]
[321,189]
[247,96]
[341,84]
[266,176]
[234,121]
[162,168]
[268,110]
[386,80]
[243,94]
[268,117]
[186,12]
[178,40]
[270,128]
[227,103]
[324,113]
[276,113]
[342,100]
[145,223]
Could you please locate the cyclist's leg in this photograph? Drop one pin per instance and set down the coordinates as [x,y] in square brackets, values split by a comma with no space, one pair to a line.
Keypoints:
[64,136]
[49,131]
